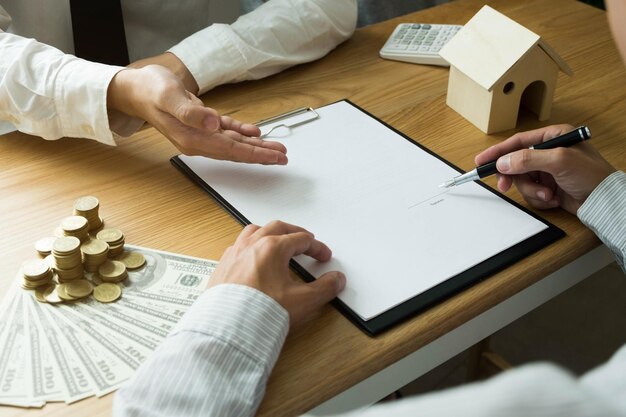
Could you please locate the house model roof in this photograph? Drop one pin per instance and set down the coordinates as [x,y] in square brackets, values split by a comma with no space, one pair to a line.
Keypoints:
[490,44]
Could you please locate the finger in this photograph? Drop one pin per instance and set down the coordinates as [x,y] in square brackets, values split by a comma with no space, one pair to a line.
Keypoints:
[277,227]
[248,231]
[277,146]
[193,113]
[294,244]
[530,189]
[306,299]
[228,123]
[325,288]
[244,152]
[543,205]
[504,182]
[527,160]
[521,140]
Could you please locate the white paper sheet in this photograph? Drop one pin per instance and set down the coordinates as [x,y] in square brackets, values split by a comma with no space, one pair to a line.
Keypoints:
[373,197]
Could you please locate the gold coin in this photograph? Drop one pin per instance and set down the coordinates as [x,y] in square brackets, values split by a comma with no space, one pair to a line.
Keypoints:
[107,292]
[86,203]
[74,223]
[110,235]
[111,269]
[132,260]
[35,269]
[94,247]
[39,292]
[66,244]
[62,292]
[51,296]
[44,245]
[78,289]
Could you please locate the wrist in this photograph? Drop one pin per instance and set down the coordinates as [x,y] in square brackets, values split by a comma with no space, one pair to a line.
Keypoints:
[120,93]
[174,64]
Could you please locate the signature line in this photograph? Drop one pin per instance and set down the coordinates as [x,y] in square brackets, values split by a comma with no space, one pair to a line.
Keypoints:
[428,199]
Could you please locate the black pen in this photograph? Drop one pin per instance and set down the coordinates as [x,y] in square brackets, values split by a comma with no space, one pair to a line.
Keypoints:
[571,138]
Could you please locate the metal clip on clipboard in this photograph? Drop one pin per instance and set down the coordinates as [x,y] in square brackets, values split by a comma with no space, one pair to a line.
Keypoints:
[287,120]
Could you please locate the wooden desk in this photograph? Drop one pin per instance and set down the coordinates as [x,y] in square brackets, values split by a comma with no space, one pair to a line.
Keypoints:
[156,206]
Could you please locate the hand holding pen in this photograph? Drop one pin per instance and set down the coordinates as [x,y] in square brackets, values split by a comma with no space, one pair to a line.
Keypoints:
[547,178]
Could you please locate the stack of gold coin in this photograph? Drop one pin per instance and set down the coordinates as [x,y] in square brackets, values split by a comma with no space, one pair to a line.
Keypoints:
[36,273]
[87,207]
[76,226]
[67,258]
[112,271]
[94,254]
[115,240]
[44,245]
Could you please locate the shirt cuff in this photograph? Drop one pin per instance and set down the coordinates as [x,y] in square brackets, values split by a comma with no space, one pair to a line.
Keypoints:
[241,316]
[211,56]
[604,212]
[82,90]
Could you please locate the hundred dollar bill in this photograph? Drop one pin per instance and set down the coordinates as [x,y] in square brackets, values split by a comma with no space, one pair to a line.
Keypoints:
[45,373]
[98,320]
[169,277]
[137,318]
[76,382]
[107,370]
[15,376]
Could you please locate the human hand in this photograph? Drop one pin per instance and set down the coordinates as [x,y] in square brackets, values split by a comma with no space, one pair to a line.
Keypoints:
[260,259]
[156,95]
[547,178]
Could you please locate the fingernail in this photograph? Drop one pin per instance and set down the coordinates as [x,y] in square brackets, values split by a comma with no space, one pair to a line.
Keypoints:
[341,281]
[541,195]
[504,163]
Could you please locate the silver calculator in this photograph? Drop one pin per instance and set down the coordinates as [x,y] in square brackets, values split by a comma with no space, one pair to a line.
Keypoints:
[419,43]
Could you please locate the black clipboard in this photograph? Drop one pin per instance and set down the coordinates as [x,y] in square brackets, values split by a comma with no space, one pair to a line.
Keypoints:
[432,296]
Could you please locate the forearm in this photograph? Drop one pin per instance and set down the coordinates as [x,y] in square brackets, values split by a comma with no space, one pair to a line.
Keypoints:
[215,363]
[51,94]
[279,34]
[604,212]
[539,390]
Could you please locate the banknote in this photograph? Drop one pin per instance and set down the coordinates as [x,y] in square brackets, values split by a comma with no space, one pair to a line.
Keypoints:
[16,387]
[45,373]
[105,358]
[74,376]
[72,351]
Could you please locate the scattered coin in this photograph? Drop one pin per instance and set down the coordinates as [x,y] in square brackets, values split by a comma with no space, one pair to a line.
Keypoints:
[35,269]
[51,296]
[107,292]
[132,260]
[78,289]
[62,292]
[39,292]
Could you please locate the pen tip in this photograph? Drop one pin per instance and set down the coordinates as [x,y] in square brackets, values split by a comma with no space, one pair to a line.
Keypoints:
[447,184]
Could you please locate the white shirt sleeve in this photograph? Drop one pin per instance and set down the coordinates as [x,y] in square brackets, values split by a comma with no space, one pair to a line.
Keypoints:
[216,361]
[51,94]
[275,36]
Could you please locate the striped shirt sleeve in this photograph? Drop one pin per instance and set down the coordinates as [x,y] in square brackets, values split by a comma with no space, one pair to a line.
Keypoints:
[216,361]
[604,212]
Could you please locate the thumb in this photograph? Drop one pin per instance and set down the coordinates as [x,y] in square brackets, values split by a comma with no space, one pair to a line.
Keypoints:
[326,287]
[528,160]
[193,113]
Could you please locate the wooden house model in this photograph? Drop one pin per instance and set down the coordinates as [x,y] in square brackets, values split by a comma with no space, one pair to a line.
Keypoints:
[496,65]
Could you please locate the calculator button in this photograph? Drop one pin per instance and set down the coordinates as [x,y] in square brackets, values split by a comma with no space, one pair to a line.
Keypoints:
[426,26]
